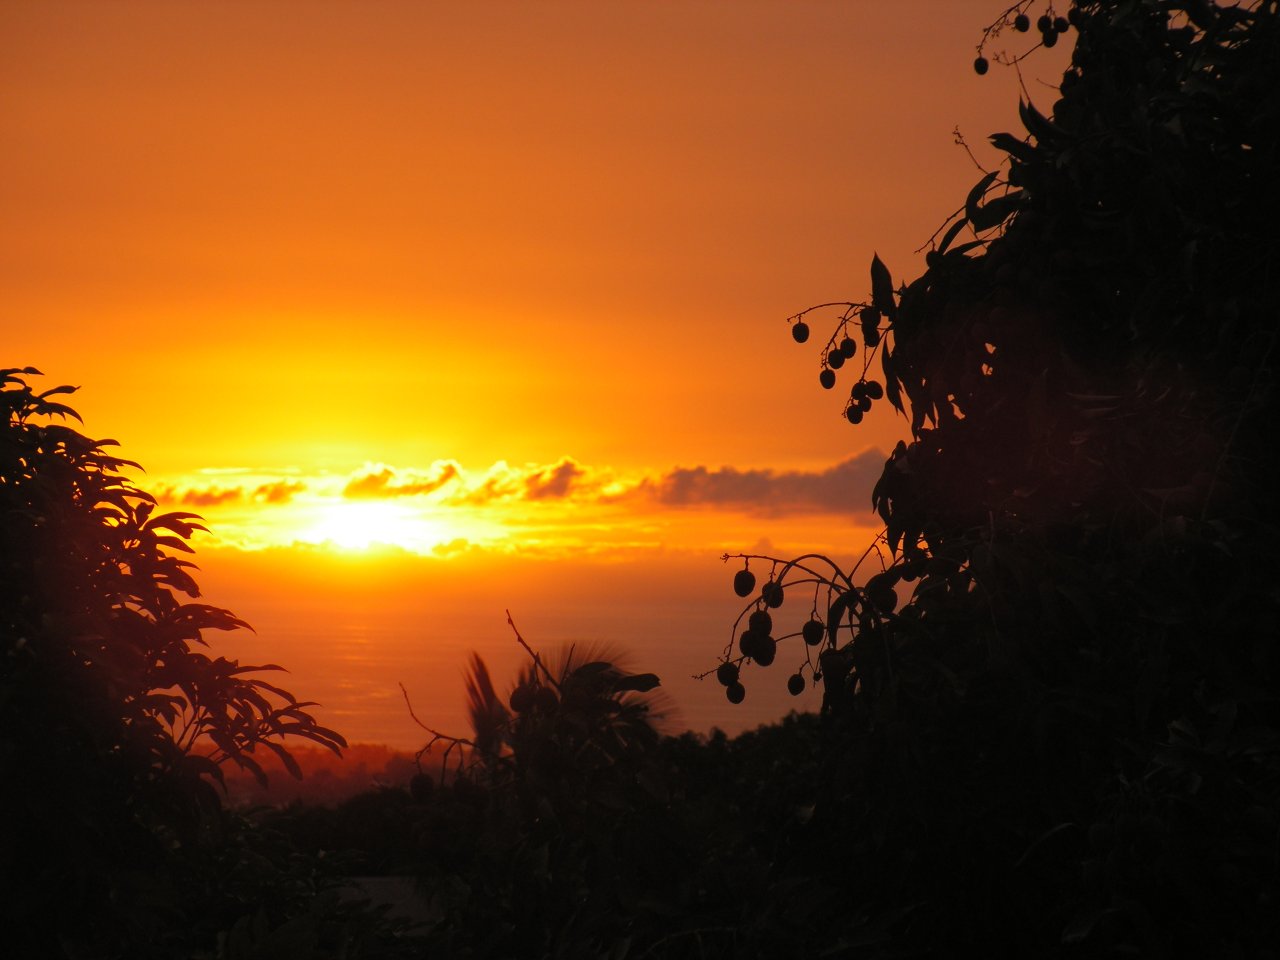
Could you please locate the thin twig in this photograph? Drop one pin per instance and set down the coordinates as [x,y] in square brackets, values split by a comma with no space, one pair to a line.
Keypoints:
[436,737]
[537,660]
[964,144]
[945,223]
[435,733]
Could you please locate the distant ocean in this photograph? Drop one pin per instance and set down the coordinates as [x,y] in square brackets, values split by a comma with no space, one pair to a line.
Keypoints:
[349,646]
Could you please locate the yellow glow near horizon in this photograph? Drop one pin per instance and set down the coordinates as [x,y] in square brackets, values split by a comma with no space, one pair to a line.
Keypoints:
[360,525]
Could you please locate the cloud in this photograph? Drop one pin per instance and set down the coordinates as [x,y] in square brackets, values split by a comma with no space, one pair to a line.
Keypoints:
[273,492]
[553,482]
[281,491]
[379,481]
[843,488]
[454,548]
[500,483]
[208,496]
[562,480]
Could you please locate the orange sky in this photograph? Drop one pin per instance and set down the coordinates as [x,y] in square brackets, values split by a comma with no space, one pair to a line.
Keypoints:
[540,252]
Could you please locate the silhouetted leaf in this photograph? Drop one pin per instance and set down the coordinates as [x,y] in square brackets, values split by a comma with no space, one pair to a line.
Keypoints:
[203,766]
[1013,146]
[881,290]
[246,762]
[1040,127]
[972,201]
[966,247]
[593,668]
[837,612]
[283,694]
[996,211]
[952,233]
[639,682]
[286,758]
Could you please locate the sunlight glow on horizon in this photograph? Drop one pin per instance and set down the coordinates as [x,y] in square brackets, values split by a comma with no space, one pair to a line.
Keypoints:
[443,509]
[305,267]
[360,525]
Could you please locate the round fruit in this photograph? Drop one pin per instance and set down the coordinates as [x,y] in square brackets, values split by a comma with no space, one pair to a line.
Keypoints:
[848,348]
[813,632]
[1022,23]
[980,66]
[827,378]
[1060,24]
[864,403]
[853,413]
[766,650]
[800,331]
[749,643]
[760,623]
[744,581]
[727,673]
[736,693]
[835,359]
[1049,39]
[1045,23]
[883,598]
[795,684]
[545,699]
[771,593]
[858,390]
[522,698]
[874,390]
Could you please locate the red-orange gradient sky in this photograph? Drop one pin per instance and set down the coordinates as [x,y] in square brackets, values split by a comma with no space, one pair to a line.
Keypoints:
[501,285]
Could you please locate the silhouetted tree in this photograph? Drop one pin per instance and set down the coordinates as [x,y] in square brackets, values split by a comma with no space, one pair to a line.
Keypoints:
[113,722]
[555,820]
[1052,704]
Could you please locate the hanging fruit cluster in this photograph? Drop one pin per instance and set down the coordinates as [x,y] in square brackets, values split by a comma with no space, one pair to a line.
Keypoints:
[837,606]
[856,319]
[1049,25]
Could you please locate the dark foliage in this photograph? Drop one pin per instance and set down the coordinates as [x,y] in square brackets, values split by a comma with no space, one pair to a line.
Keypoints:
[1051,719]
[552,839]
[114,725]
[1052,708]
[678,848]
[1050,722]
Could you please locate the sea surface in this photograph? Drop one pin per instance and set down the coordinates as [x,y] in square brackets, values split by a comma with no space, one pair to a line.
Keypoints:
[351,642]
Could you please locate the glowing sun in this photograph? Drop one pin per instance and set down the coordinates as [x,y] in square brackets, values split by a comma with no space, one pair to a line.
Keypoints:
[359,526]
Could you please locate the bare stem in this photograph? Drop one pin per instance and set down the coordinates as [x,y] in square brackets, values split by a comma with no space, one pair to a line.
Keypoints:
[436,735]
[537,660]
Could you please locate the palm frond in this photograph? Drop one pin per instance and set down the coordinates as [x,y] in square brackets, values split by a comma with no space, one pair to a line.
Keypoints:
[486,711]
[654,708]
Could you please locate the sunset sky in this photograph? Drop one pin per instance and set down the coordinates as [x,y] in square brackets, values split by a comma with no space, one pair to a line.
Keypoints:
[438,309]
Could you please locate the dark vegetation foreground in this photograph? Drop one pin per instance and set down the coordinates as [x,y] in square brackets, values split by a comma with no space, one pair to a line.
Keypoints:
[1050,723]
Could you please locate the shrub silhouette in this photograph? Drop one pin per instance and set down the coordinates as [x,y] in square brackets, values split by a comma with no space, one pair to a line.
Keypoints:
[570,827]
[541,837]
[1050,722]
[113,724]
[1052,703]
